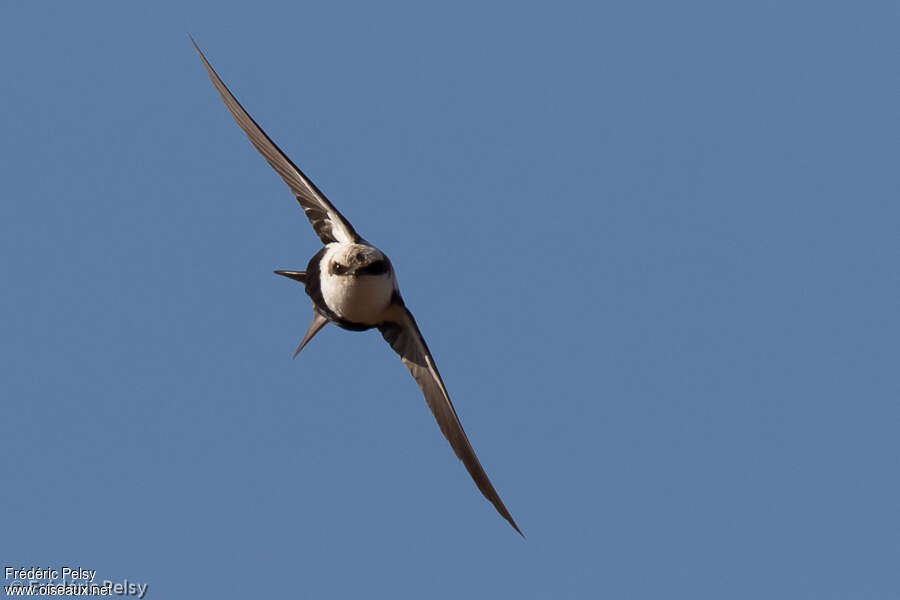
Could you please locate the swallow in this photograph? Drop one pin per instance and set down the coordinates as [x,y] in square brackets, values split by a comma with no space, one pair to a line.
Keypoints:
[352,284]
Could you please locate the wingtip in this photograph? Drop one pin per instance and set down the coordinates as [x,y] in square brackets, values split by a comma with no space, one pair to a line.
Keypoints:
[200,52]
[514,526]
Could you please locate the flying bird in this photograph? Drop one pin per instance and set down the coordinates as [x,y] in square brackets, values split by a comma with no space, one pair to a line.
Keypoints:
[352,284]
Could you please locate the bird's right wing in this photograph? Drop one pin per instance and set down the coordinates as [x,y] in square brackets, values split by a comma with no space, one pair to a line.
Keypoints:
[328,223]
[402,333]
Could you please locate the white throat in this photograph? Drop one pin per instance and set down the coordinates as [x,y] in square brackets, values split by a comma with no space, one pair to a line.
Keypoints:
[360,299]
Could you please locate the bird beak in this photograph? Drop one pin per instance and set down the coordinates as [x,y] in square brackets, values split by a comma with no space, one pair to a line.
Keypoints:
[299,276]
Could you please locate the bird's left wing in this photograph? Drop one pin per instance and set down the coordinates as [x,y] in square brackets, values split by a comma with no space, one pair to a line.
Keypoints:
[328,223]
[402,333]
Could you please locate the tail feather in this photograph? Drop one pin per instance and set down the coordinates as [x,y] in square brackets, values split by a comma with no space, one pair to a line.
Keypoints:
[295,275]
[317,324]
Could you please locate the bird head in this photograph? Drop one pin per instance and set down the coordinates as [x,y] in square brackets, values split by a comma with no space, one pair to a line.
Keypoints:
[358,260]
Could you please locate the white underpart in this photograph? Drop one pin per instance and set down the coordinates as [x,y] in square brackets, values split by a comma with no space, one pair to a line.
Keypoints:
[359,299]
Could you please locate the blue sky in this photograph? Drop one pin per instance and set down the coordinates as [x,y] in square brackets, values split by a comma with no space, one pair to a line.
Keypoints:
[653,246]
